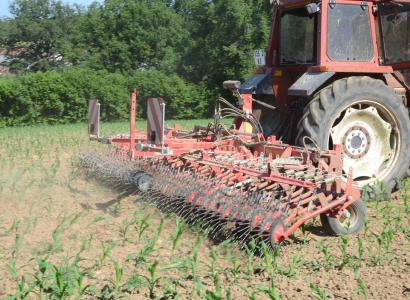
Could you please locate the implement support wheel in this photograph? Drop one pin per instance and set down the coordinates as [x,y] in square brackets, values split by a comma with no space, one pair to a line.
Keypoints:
[349,221]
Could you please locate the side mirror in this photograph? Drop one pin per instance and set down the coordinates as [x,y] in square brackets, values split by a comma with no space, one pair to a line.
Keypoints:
[312,8]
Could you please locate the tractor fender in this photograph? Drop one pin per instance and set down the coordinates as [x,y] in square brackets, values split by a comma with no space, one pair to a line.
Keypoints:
[308,83]
[260,84]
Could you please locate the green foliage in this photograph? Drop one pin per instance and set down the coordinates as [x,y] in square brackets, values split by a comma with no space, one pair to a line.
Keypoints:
[130,35]
[37,30]
[61,97]
[180,50]
[223,35]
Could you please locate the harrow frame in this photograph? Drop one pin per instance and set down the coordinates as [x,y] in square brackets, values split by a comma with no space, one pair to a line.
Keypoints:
[272,187]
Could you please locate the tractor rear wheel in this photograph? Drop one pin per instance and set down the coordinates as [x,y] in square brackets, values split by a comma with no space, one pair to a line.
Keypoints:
[371,123]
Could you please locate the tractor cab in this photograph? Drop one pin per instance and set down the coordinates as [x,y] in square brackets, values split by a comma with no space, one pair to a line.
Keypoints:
[337,72]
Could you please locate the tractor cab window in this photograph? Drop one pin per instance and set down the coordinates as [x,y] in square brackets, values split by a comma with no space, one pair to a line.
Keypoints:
[395,23]
[348,33]
[297,37]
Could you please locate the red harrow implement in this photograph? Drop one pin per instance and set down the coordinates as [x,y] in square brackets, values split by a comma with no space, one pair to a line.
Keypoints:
[232,180]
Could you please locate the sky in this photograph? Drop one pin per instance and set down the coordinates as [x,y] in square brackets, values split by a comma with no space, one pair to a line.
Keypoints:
[4,5]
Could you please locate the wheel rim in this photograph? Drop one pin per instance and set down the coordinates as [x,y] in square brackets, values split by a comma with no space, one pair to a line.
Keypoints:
[369,135]
[349,217]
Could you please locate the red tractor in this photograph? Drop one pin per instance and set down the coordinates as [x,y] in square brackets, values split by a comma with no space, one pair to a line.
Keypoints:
[338,72]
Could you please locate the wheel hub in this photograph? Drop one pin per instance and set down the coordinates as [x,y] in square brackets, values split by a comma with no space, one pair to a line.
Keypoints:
[366,140]
[356,142]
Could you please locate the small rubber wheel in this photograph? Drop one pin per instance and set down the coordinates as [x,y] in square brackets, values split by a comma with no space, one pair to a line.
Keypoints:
[350,221]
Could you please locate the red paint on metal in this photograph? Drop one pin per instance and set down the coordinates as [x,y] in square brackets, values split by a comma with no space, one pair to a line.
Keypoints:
[132,122]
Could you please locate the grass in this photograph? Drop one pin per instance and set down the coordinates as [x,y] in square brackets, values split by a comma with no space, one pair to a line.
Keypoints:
[56,242]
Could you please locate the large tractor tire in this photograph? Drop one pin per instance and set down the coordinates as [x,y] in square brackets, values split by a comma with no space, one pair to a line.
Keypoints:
[371,123]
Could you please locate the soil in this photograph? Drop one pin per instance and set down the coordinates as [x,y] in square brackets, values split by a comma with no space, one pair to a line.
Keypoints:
[54,213]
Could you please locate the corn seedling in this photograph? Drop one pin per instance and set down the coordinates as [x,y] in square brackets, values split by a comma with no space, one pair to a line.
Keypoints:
[141,226]
[269,291]
[294,266]
[317,292]
[327,255]
[346,258]
[23,289]
[146,250]
[250,252]
[124,230]
[214,273]
[361,286]
[105,251]
[118,277]
[179,226]
[251,294]
[151,280]
[11,268]
[359,249]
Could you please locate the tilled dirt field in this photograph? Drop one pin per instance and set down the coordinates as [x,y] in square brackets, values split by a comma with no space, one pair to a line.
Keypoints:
[65,236]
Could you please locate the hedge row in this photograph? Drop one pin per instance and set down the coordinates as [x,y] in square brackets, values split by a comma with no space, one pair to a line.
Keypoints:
[61,97]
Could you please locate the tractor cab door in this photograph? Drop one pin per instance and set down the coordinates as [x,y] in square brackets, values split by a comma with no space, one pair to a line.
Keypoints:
[395,31]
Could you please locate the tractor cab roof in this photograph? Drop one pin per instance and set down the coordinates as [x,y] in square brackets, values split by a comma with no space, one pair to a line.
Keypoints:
[299,3]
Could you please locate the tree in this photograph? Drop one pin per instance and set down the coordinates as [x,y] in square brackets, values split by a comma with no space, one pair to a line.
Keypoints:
[36,30]
[125,35]
[223,35]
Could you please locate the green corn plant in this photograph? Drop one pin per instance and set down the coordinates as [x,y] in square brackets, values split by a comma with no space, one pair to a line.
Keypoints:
[361,286]
[159,229]
[142,225]
[404,196]
[214,272]
[13,228]
[235,267]
[359,249]
[147,249]
[270,266]
[251,294]
[78,278]
[211,295]
[179,227]
[250,251]
[56,245]
[366,227]
[95,220]
[199,287]
[23,289]
[152,279]
[11,268]
[40,277]
[317,292]
[74,219]
[294,266]
[105,251]
[124,230]
[118,276]
[269,291]
[133,283]
[328,256]
[228,295]
[346,258]
[193,262]
[59,285]
[305,234]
